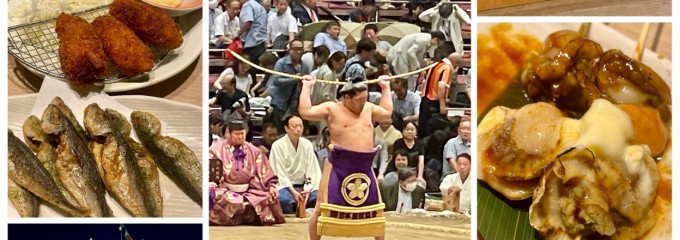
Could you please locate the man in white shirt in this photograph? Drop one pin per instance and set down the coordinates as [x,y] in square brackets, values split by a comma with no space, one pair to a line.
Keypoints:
[227,25]
[459,183]
[214,13]
[281,27]
[294,161]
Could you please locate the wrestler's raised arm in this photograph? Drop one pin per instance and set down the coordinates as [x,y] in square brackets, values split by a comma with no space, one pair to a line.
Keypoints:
[307,111]
[383,112]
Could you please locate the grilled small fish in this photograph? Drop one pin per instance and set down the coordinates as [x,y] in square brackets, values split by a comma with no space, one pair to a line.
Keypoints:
[57,101]
[34,136]
[46,153]
[116,161]
[23,200]
[75,164]
[25,170]
[152,186]
[173,156]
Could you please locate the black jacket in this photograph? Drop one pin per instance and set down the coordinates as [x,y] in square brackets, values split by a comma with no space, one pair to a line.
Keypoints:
[299,12]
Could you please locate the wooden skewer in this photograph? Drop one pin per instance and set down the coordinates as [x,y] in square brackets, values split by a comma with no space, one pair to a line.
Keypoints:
[584,30]
[640,48]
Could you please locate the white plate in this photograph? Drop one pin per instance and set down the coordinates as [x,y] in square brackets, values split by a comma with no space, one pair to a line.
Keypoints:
[176,61]
[178,125]
[606,36]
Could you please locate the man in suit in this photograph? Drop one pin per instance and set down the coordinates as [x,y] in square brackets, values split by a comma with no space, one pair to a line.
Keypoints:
[306,12]
[406,195]
[409,53]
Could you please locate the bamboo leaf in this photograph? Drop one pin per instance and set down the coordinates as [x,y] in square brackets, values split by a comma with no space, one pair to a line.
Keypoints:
[501,219]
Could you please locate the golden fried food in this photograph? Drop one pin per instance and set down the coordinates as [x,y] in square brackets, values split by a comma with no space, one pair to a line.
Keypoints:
[80,51]
[125,50]
[501,54]
[151,24]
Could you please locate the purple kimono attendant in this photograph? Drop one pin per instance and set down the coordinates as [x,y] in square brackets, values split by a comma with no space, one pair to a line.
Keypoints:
[246,194]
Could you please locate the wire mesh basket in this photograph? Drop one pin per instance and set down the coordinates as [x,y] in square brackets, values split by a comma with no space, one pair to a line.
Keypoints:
[36,46]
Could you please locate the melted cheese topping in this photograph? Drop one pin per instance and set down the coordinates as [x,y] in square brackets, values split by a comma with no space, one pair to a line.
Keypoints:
[606,130]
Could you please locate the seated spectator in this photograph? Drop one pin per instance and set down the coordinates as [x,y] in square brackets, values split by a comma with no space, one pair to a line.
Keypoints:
[244,80]
[267,60]
[244,192]
[321,55]
[329,71]
[308,59]
[458,183]
[364,13]
[267,5]
[239,71]
[216,122]
[434,146]
[231,99]
[286,91]
[456,146]
[356,65]
[295,163]
[282,27]
[378,67]
[404,102]
[305,12]
[388,133]
[371,32]
[214,12]
[398,161]
[406,195]
[414,148]
[226,25]
[322,153]
[381,159]
[269,135]
[331,38]
[273,11]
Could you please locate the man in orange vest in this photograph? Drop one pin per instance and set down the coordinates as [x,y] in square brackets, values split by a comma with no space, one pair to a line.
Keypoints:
[435,90]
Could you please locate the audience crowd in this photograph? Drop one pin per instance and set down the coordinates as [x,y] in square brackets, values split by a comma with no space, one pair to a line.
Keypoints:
[255,125]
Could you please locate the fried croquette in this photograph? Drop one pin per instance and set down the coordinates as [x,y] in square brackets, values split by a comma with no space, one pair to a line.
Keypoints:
[125,50]
[151,24]
[81,54]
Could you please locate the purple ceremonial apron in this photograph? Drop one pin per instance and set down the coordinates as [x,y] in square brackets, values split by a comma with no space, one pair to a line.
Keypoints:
[352,205]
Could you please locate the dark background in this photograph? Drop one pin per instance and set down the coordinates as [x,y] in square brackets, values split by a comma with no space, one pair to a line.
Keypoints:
[104,231]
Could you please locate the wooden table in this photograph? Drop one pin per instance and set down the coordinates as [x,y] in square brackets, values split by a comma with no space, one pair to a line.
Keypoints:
[184,87]
[585,8]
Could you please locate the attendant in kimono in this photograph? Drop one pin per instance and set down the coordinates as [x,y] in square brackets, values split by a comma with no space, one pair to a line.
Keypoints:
[295,163]
[246,193]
